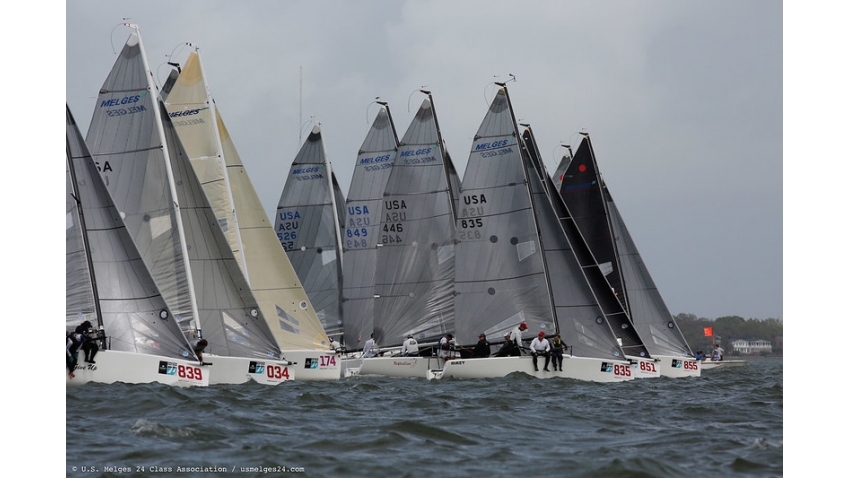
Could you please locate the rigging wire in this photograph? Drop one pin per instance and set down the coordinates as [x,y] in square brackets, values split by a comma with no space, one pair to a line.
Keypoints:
[420,90]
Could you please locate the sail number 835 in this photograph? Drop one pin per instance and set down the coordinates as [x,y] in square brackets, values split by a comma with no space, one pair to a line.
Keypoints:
[470,228]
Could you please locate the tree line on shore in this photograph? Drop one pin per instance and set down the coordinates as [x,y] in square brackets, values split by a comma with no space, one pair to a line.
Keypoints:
[729,328]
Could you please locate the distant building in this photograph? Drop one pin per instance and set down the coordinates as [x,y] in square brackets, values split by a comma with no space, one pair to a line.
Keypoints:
[754,346]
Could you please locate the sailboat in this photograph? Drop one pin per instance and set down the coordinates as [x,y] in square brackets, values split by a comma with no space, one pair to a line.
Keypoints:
[509,245]
[375,160]
[643,365]
[414,291]
[308,226]
[274,283]
[588,198]
[169,218]
[108,285]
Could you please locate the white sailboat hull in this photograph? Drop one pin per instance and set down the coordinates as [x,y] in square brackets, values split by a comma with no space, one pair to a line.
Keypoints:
[579,368]
[236,370]
[712,364]
[677,367]
[417,367]
[644,367]
[114,366]
[313,365]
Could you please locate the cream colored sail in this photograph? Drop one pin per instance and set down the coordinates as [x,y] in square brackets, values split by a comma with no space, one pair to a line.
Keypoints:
[275,285]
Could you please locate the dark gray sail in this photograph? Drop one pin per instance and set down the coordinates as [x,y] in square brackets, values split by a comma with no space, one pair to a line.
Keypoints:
[133,314]
[499,272]
[589,200]
[362,227]
[581,191]
[167,214]
[591,319]
[308,227]
[416,261]
[649,313]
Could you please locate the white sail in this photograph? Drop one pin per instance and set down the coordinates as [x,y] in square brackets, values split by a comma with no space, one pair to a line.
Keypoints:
[275,285]
[133,313]
[362,223]
[193,114]
[308,224]
[414,279]
[167,214]
[133,316]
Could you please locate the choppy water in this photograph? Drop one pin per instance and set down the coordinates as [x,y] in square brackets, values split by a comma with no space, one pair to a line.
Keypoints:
[727,422]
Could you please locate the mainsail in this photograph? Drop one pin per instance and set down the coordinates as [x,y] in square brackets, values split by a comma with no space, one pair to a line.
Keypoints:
[308,225]
[275,285]
[362,227]
[167,214]
[583,183]
[133,314]
[500,279]
[416,259]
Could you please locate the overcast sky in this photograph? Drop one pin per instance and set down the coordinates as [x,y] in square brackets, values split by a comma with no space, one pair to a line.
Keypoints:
[683,102]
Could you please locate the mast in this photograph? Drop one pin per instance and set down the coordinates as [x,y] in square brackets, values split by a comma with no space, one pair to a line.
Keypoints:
[170,176]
